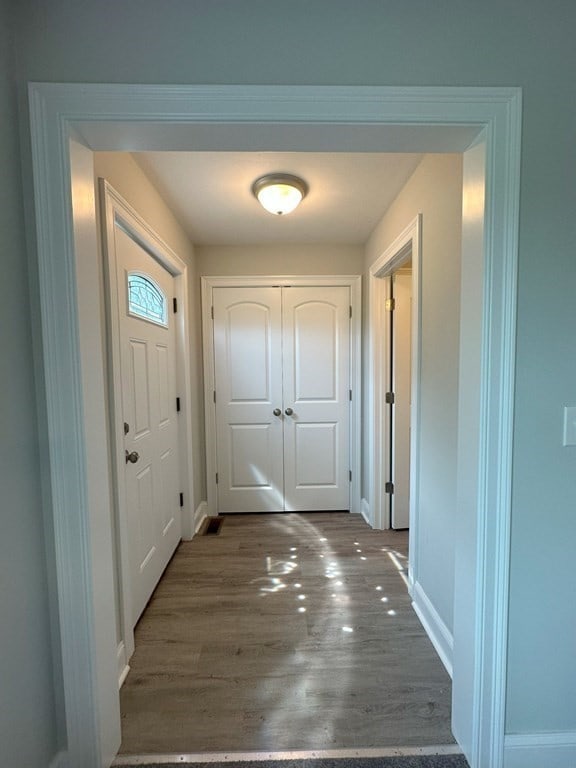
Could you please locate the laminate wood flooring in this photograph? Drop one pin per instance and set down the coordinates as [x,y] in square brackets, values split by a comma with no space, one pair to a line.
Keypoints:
[284,632]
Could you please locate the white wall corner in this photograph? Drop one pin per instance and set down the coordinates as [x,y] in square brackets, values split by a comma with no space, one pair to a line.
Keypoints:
[365,512]
[60,761]
[536,750]
[200,515]
[439,634]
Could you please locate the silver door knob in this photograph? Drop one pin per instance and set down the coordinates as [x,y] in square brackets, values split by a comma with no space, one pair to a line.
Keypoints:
[132,457]
[277,412]
[288,411]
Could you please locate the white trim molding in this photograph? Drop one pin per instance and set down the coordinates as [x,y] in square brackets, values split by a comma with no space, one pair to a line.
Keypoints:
[298,118]
[366,512]
[540,750]
[406,245]
[439,634]
[200,515]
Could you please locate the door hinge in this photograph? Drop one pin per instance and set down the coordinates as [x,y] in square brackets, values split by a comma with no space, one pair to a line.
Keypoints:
[390,305]
[350,475]
[216,478]
[212,312]
[214,395]
[181,499]
[175,304]
[389,487]
[350,394]
[178,404]
[390,398]
[350,311]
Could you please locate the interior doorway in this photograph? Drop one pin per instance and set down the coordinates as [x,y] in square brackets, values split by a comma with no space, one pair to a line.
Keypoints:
[66,274]
[400,399]
[394,405]
[305,342]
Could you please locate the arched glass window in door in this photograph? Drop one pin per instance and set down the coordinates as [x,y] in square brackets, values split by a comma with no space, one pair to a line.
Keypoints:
[146,300]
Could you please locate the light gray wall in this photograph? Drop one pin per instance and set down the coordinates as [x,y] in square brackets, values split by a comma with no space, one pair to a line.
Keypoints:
[435,191]
[528,43]
[28,727]
[280,259]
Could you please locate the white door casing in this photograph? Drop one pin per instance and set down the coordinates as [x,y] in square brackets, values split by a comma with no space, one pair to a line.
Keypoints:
[401,387]
[281,398]
[422,119]
[406,246]
[130,244]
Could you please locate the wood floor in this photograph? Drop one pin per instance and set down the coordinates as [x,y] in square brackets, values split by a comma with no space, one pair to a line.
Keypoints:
[284,632]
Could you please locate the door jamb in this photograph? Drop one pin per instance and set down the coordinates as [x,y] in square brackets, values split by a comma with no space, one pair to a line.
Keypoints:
[407,243]
[114,209]
[354,283]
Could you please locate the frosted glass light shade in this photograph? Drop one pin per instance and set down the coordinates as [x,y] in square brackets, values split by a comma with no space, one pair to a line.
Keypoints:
[279,193]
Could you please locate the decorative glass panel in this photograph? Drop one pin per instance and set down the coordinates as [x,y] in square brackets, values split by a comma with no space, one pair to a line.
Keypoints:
[146,300]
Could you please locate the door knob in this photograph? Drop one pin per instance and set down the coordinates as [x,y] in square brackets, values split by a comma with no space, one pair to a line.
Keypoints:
[288,411]
[132,457]
[277,412]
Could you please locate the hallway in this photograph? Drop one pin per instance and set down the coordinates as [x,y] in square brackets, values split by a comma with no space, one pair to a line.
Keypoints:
[284,632]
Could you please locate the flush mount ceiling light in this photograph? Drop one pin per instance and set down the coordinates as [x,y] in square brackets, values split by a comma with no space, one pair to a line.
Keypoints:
[279,193]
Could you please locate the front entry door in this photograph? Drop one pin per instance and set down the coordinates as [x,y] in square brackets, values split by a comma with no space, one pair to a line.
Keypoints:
[148,368]
[282,379]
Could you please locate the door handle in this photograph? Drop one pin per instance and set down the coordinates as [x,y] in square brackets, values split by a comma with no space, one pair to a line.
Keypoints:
[277,412]
[132,457]
[288,411]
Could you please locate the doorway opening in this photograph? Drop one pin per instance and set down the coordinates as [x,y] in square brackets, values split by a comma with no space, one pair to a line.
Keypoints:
[485,126]
[395,440]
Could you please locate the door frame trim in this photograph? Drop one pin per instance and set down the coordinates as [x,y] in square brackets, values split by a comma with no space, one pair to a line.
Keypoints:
[354,283]
[406,243]
[114,208]
[128,117]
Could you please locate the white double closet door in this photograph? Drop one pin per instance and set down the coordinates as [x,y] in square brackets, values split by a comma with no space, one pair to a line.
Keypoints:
[282,392]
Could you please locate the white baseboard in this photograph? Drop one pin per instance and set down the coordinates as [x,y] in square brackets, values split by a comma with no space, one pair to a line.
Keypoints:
[60,760]
[539,750]
[200,515]
[122,663]
[439,634]
[365,512]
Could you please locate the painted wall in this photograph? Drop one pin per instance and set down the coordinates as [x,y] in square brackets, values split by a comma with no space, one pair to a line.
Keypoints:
[528,43]
[28,724]
[127,177]
[280,260]
[435,190]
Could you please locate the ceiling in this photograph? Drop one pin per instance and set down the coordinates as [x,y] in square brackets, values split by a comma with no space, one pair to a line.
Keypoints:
[210,194]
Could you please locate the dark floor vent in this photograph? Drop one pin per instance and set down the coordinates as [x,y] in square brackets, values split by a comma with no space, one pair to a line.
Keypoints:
[212,526]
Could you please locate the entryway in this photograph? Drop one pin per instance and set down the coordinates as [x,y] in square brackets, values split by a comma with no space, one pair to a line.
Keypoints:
[482,123]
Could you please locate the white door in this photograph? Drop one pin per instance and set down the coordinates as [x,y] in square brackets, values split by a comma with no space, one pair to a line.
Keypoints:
[282,378]
[401,387]
[248,380]
[148,369]
[316,342]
